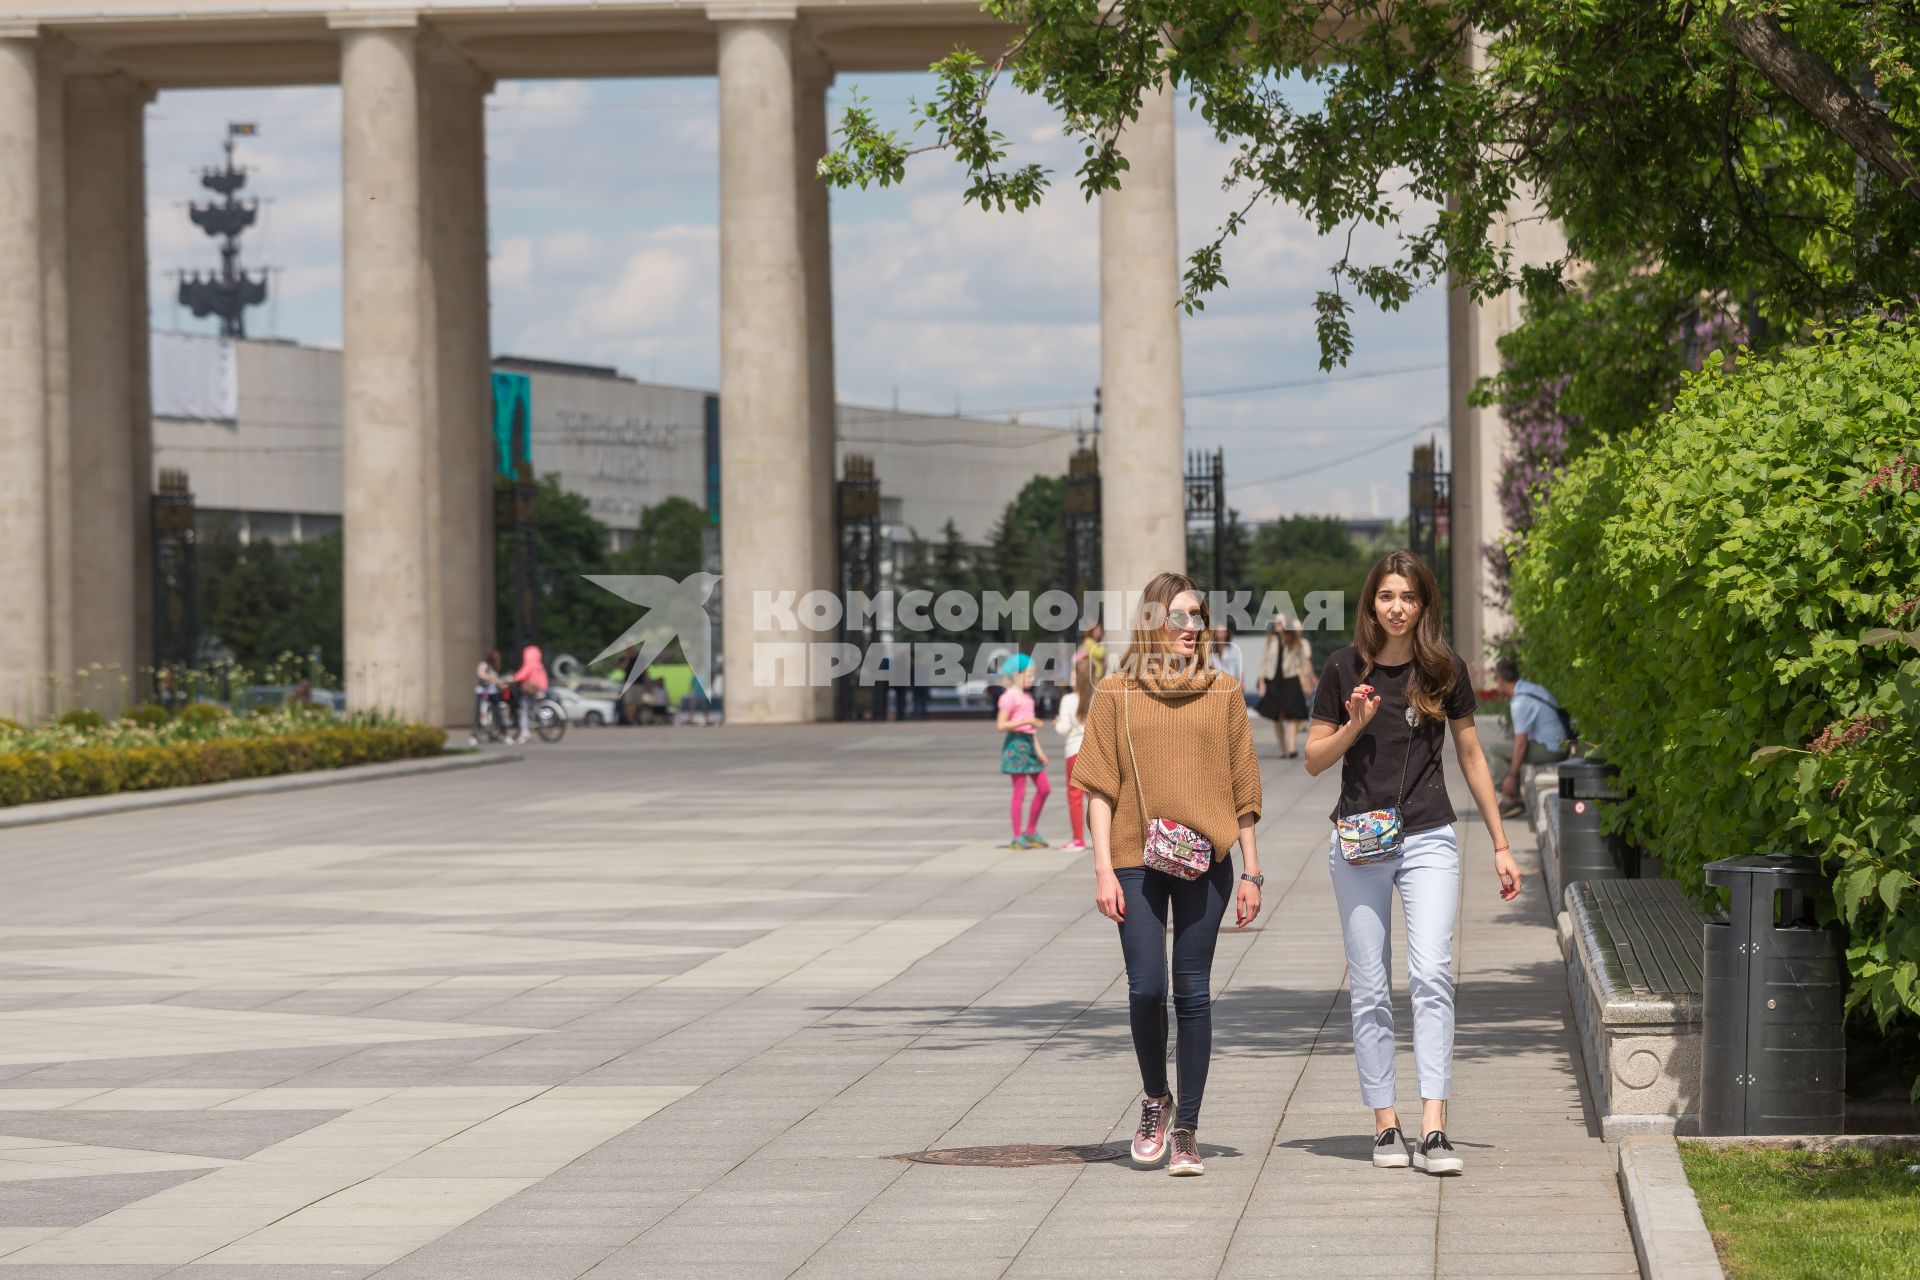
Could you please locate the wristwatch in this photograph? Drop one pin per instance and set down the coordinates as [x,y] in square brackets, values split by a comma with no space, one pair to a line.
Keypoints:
[1258,881]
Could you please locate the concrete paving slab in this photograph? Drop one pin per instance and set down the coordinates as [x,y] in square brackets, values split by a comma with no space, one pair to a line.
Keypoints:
[496,1037]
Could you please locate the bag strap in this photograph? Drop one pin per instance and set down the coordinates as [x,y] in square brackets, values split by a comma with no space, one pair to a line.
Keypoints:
[1413,727]
[1401,797]
[1139,783]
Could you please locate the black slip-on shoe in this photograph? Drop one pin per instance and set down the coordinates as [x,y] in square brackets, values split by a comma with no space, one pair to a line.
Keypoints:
[1391,1150]
[1436,1155]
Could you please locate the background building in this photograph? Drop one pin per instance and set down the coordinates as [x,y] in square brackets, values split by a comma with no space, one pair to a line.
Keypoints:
[256,425]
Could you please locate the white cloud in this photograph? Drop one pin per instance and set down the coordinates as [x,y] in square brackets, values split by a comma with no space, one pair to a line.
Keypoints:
[657,288]
[512,263]
[567,250]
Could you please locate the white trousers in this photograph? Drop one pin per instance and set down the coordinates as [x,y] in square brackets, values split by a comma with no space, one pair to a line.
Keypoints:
[1428,877]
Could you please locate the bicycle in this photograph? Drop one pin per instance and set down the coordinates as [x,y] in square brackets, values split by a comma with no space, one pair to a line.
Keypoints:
[546,718]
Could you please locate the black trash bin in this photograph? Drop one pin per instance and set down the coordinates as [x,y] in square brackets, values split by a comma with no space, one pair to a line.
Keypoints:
[1586,787]
[1774,1056]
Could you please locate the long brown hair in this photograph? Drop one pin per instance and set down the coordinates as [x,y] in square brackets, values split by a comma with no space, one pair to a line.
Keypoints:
[1082,687]
[1150,624]
[1433,671]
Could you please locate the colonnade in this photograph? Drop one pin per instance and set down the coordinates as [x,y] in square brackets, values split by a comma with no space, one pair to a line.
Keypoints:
[75,446]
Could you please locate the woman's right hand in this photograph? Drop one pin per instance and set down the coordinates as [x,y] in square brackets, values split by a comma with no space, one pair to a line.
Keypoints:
[1361,708]
[1107,897]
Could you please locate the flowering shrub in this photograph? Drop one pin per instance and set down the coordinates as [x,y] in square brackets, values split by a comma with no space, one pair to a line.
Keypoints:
[1724,583]
[59,763]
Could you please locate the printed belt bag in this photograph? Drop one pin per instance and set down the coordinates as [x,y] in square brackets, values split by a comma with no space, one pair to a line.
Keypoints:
[1375,836]
[1172,847]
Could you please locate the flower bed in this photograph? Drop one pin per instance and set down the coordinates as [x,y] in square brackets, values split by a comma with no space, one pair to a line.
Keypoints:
[60,762]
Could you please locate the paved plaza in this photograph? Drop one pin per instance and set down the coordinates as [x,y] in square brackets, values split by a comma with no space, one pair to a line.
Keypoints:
[664,1003]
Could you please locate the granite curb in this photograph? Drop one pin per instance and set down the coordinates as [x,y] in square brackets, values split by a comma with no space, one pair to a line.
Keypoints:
[128,802]
[1669,1235]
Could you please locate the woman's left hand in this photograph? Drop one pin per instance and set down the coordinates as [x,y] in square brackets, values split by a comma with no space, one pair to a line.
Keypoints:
[1509,872]
[1247,904]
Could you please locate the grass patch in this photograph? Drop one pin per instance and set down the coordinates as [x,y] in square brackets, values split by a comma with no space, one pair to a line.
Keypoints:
[1850,1214]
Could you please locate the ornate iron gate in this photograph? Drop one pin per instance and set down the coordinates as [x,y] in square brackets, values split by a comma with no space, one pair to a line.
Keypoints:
[1429,517]
[856,505]
[176,626]
[1080,516]
[1207,508]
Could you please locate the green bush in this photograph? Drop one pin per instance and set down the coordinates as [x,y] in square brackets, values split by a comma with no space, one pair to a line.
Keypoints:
[84,719]
[147,715]
[1700,593]
[27,777]
[203,713]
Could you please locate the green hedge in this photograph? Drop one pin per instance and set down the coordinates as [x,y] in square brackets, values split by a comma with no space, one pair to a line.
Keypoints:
[1720,601]
[59,774]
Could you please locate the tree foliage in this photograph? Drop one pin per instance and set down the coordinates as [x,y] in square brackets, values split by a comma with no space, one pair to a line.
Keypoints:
[1757,150]
[262,600]
[1725,604]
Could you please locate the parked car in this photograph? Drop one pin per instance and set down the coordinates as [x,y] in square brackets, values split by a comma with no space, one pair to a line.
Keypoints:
[582,708]
[275,695]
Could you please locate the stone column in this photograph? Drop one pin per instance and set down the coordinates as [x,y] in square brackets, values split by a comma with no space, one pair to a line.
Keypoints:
[458,391]
[1478,434]
[767,468]
[25,616]
[1142,494]
[53,257]
[812,78]
[387,473]
[141,379]
[110,462]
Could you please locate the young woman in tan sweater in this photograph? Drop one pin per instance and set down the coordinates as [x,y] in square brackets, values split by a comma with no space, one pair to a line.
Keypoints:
[1167,739]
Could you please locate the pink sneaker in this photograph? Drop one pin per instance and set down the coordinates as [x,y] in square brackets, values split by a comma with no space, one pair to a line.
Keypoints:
[1150,1139]
[1074,846]
[1186,1156]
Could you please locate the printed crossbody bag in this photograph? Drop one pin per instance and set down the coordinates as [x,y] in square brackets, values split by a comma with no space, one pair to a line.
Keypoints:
[1375,836]
[1172,847]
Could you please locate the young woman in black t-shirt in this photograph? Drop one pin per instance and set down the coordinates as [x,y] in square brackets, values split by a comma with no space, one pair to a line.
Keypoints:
[1382,710]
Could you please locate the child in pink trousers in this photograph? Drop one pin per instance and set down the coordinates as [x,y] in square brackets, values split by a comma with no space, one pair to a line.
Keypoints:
[1020,755]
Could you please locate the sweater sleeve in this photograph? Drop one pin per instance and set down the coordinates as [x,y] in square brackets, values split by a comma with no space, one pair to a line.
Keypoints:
[1096,770]
[1241,760]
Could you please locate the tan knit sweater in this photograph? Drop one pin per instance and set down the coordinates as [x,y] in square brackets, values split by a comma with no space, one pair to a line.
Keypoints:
[1194,750]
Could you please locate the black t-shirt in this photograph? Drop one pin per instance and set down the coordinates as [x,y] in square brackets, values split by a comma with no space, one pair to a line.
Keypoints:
[1370,771]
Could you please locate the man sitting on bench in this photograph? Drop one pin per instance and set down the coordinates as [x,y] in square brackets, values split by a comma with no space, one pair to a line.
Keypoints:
[1541,731]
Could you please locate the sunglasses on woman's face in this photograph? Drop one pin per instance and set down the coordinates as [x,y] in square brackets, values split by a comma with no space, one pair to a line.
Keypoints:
[1184,621]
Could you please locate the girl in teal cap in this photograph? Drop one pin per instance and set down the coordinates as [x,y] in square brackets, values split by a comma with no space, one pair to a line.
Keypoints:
[1020,754]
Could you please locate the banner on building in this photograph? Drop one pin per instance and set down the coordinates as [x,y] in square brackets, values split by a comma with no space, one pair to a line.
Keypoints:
[513,425]
[193,377]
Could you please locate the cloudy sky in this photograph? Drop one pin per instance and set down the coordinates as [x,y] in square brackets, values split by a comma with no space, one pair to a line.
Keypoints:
[603,207]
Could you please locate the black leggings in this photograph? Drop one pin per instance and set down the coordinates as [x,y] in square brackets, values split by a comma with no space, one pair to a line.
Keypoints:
[1198,906]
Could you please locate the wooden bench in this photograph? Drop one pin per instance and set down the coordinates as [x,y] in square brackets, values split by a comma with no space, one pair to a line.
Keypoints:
[1634,950]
